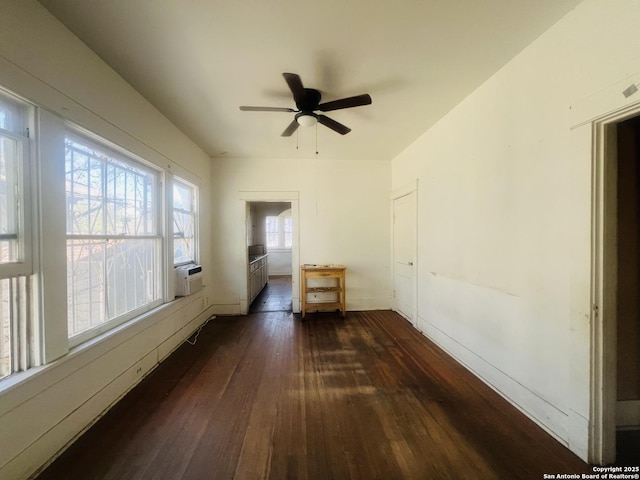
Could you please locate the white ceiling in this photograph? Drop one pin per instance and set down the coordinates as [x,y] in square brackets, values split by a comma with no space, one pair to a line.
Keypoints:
[197,61]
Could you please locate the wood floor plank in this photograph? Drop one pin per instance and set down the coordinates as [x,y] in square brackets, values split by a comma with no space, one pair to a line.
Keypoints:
[265,396]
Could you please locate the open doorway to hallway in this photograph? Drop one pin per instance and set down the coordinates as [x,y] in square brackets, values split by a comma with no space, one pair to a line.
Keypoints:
[270,241]
[627,409]
[615,390]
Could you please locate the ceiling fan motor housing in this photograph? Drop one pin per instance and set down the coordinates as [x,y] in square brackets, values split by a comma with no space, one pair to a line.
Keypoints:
[310,101]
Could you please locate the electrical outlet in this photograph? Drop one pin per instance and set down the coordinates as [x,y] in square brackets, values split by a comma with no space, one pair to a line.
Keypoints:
[204,303]
[137,371]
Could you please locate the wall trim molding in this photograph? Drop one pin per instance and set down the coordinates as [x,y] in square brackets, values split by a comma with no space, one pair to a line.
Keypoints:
[405,189]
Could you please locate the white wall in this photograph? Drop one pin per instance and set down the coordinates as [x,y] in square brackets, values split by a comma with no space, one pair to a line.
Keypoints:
[504,214]
[344,219]
[43,409]
[280,261]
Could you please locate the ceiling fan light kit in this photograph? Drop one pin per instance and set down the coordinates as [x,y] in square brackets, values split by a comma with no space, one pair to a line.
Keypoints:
[306,120]
[308,102]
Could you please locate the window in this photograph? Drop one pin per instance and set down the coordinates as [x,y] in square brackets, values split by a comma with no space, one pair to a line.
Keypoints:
[272,232]
[114,240]
[107,208]
[184,222]
[15,255]
[279,230]
[288,232]
[13,147]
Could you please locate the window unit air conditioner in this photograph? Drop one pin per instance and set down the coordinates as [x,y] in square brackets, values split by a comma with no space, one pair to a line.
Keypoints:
[188,280]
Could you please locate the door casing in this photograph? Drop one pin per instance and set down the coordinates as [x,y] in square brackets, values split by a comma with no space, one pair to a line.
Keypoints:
[246,198]
[602,434]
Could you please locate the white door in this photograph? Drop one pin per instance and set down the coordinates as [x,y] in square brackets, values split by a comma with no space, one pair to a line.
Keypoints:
[404,250]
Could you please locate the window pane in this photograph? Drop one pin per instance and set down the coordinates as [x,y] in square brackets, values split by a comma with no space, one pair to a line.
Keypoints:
[272,231]
[5,327]
[109,197]
[184,223]
[182,248]
[183,237]
[182,197]
[108,279]
[12,115]
[106,196]
[9,160]
[288,232]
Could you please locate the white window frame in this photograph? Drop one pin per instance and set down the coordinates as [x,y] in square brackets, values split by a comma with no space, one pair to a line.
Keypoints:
[23,265]
[195,215]
[18,273]
[82,136]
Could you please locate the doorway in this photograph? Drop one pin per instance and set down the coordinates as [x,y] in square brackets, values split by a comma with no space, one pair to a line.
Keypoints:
[256,207]
[270,233]
[404,254]
[615,387]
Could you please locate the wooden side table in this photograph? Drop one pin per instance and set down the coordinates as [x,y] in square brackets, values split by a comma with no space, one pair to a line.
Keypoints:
[338,287]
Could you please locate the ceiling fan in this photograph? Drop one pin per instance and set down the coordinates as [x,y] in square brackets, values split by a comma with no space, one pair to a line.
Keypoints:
[308,102]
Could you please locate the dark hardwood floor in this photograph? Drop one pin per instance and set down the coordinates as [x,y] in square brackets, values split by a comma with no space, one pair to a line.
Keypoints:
[275,296]
[267,396]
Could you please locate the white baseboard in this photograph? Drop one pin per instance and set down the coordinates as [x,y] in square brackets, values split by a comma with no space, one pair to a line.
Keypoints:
[229,309]
[552,419]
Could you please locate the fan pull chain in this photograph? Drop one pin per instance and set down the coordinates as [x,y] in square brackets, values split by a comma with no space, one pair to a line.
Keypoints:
[316,138]
[297,137]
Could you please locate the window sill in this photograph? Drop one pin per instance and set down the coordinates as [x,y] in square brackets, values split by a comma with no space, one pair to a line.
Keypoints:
[37,379]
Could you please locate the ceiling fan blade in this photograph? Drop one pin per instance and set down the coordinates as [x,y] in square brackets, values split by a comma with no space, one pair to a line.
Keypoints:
[266,109]
[295,84]
[293,126]
[356,101]
[333,125]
